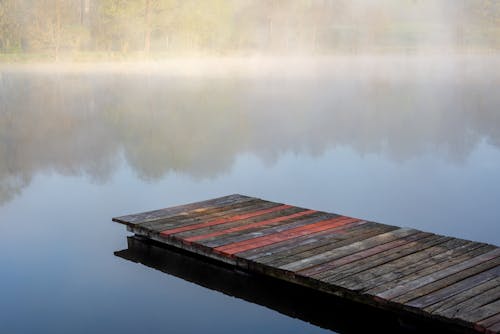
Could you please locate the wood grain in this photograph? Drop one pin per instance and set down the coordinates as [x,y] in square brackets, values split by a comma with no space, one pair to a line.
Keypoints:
[401,270]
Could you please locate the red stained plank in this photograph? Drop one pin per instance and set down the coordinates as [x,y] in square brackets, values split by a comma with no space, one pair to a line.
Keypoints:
[248,226]
[224,220]
[242,246]
[310,228]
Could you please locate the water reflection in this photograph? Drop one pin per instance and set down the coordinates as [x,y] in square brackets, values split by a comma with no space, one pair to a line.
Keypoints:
[308,305]
[83,123]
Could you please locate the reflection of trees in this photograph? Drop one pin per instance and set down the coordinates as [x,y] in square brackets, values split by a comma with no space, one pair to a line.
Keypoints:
[174,125]
[80,124]
[47,123]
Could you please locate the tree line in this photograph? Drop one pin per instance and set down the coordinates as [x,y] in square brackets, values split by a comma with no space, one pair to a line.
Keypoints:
[54,27]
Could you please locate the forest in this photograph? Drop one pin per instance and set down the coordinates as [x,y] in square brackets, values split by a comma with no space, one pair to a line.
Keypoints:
[106,28]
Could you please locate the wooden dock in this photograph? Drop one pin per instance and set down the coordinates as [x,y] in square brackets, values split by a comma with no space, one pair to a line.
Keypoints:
[401,270]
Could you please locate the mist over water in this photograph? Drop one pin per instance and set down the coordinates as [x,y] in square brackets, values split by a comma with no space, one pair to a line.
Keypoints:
[201,120]
[161,121]
[383,110]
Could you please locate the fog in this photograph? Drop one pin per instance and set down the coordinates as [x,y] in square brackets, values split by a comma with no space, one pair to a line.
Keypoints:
[161,121]
[386,110]
[89,30]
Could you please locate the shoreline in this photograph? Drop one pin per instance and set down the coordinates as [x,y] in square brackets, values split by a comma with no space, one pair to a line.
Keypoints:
[304,66]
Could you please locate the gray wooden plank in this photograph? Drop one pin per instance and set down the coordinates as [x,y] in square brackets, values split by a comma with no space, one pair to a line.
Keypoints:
[482,312]
[469,305]
[348,274]
[133,219]
[346,250]
[288,248]
[237,223]
[424,267]
[494,329]
[284,226]
[462,297]
[491,324]
[391,271]
[362,254]
[449,279]
[420,282]
[281,246]
[450,290]
[203,217]
[366,266]
[337,238]
[200,215]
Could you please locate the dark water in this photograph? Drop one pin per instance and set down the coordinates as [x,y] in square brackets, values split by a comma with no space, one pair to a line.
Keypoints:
[404,142]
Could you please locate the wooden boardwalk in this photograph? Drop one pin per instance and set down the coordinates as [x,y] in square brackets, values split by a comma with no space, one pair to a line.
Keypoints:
[402,270]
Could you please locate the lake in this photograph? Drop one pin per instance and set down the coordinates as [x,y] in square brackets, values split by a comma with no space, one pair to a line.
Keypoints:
[403,140]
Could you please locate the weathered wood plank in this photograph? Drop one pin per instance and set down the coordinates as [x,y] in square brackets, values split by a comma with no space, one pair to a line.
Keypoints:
[288,249]
[245,226]
[486,297]
[420,282]
[281,212]
[190,218]
[342,239]
[493,329]
[451,289]
[446,281]
[286,228]
[293,233]
[311,217]
[287,225]
[391,271]
[290,234]
[362,254]
[399,269]
[201,215]
[368,265]
[337,238]
[347,250]
[343,275]
[175,210]
[224,220]
[482,312]
[413,271]
[290,244]
[462,297]
[490,324]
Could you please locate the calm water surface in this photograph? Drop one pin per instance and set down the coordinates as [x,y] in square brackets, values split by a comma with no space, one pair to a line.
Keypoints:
[409,142]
